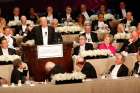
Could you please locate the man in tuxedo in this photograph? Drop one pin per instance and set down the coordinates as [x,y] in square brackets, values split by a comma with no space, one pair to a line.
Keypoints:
[96,24]
[90,36]
[4,50]
[82,45]
[129,20]
[52,69]
[43,34]
[86,68]
[119,69]
[131,45]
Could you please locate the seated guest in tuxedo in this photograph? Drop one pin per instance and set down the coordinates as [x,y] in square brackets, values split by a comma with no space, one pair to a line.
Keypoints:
[43,34]
[121,11]
[100,23]
[119,69]
[107,44]
[136,69]
[19,72]
[131,45]
[16,14]
[33,16]
[52,69]
[85,12]
[102,10]
[91,36]
[4,50]
[129,20]
[82,45]
[86,68]
[22,29]
[68,15]
[8,35]
[54,24]
[50,14]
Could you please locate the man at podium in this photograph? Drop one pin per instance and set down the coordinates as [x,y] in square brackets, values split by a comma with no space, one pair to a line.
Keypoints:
[43,34]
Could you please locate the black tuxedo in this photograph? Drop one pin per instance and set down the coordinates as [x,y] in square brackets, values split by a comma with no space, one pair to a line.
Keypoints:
[72,16]
[136,68]
[95,24]
[17,75]
[89,70]
[93,36]
[133,22]
[130,48]
[19,30]
[11,51]
[118,13]
[123,70]
[88,46]
[36,35]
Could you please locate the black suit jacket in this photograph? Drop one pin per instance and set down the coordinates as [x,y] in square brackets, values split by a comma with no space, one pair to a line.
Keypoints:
[88,46]
[11,51]
[135,69]
[16,76]
[36,35]
[19,30]
[95,24]
[123,70]
[118,13]
[133,22]
[89,70]
[93,36]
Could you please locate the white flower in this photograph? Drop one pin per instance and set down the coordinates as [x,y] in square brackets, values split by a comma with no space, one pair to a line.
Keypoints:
[7,58]
[122,36]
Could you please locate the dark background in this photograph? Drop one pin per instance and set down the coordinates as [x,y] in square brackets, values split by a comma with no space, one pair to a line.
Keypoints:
[59,5]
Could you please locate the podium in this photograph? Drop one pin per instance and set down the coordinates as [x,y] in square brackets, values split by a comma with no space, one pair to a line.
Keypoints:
[37,66]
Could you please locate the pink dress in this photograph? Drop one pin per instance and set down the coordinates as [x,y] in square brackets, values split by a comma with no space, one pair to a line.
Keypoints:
[110,47]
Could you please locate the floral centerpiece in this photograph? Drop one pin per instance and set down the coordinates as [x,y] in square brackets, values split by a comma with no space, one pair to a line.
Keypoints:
[69,29]
[122,36]
[99,53]
[7,59]
[75,77]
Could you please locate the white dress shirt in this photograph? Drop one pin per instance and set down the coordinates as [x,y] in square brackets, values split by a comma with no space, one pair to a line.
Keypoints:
[101,24]
[10,41]
[123,13]
[82,48]
[68,16]
[16,18]
[45,35]
[139,68]
[115,70]
[50,18]
[24,28]
[88,36]
[5,51]
[86,15]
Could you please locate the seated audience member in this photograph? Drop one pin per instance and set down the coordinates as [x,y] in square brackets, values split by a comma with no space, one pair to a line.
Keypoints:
[8,35]
[2,25]
[85,12]
[68,15]
[131,45]
[54,24]
[22,29]
[121,12]
[85,67]
[82,45]
[33,16]
[16,14]
[52,69]
[138,29]
[43,34]
[119,69]
[80,21]
[129,20]
[107,44]
[100,23]
[4,50]
[90,36]
[136,69]
[19,72]
[102,9]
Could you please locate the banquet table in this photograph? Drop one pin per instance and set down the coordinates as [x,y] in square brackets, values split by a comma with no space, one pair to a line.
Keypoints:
[120,85]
